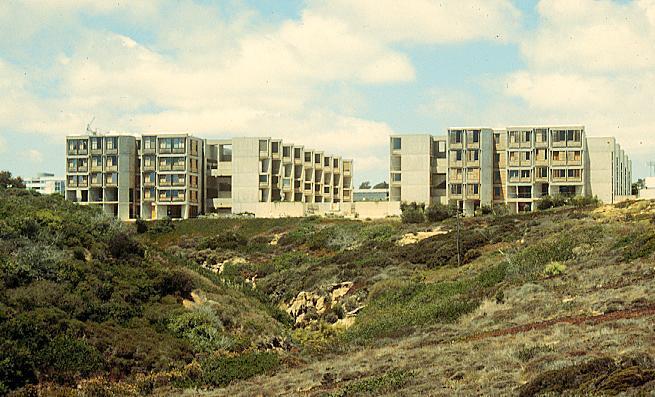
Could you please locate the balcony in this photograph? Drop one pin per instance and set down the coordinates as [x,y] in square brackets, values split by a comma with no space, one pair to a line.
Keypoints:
[96,182]
[110,168]
[111,151]
[149,167]
[472,163]
[179,167]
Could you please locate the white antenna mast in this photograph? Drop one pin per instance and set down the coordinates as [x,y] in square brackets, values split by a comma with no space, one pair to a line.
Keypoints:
[88,127]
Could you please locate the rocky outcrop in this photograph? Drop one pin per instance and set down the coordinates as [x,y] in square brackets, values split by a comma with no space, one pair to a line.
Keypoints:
[309,306]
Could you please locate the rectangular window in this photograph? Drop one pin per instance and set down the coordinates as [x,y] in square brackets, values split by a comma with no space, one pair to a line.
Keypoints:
[275,147]
[476,136]
[458,155]
[396,143]
[263,145]
[286,151]
[525,174]
[498,191]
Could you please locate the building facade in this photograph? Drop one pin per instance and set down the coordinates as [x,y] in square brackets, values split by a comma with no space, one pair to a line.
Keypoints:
[418,168]
[269,178]
[46,183]
[513,166]
[156,176]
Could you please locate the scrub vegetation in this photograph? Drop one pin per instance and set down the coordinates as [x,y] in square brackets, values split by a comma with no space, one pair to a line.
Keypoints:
[558,301]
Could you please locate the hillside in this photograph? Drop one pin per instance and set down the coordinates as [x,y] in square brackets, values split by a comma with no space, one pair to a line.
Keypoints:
[557,301]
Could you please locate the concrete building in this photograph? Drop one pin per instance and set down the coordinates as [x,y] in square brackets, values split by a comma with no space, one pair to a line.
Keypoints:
[270,178]
[418,168]
[513,166]
[101,170]
[46,183]
[171,176]
[361,195]
[155,176]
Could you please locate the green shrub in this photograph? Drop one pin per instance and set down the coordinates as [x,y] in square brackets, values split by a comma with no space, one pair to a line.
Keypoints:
[584,201]
[202,328]
[376,385]
[554,269]
[437,212]
[220,369]
[544,203]
[141,226]
[412,215]
[227,240]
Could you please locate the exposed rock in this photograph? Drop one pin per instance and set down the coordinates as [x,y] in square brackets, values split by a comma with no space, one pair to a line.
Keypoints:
[307,306]
[413,238]
[276,238]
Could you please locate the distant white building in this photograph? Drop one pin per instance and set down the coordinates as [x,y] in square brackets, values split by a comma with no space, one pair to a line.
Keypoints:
[46,183]
[648,192]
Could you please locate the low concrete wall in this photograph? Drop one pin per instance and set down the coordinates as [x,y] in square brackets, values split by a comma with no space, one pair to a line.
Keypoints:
[376,209]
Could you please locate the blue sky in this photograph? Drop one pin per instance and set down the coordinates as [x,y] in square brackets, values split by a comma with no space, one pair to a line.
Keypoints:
[337,75]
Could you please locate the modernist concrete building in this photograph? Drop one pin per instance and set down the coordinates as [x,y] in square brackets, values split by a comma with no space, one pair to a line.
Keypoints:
[514,166]
[270,178]
[171,177]
[46,183]
[418,168]
[155,176]
[101,170]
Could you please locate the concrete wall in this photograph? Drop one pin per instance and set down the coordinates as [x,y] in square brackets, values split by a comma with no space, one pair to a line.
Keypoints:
[415,168]
[602,168]
[376,210]
[245,172]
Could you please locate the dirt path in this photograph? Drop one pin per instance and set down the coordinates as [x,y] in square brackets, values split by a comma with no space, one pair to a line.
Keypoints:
[601,318]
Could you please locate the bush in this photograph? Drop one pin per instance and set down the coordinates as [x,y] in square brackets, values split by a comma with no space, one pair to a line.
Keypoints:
[584,201]
[438,212]
[412,212]
[121,245]
[202,328]
[141,226]
[544,203]
[221,369]
[554,269]
[228,240]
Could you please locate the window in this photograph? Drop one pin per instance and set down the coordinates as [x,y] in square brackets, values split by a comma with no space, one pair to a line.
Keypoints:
[498,191]
[542,172]
[263,178]
[263,145]
[556,156]
[111,143]
[513,174]
[497,157]
[286,151]
[525,174]
[296,153]
[275,147]
[225,153]
[396,177]
[526,136]
[473,155]
[496,138]
[574,173]
[526,156]
[317,158]
[476,136]
[497,176]
[456,189]
[458,155]
[308,157]
[396,144]
[456,137]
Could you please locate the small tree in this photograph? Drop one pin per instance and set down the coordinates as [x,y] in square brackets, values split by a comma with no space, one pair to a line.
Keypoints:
[6,180]
[365,185]
[381,185]
[412,212]
[437,212]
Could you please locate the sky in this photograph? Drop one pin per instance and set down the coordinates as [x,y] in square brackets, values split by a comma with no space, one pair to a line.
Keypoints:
[340,76]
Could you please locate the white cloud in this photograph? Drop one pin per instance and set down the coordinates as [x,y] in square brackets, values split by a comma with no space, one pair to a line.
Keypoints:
[202,72]
[427,21]
[596,36]
[34,155]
